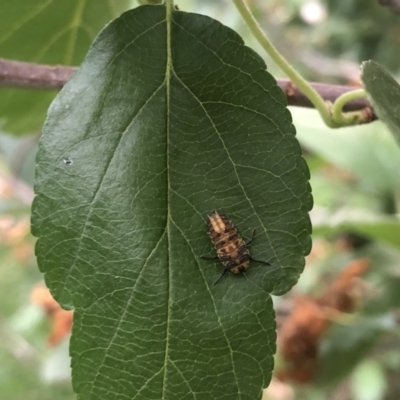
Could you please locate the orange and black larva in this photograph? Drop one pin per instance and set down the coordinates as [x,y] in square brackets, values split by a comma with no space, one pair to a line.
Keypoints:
[232,250]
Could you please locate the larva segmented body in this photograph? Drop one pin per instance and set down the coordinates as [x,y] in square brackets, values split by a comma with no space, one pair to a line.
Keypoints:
[231,249]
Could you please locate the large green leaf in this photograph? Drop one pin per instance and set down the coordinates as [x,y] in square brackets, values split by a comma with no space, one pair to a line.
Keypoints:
[169,117]
[384,93]
[48,32]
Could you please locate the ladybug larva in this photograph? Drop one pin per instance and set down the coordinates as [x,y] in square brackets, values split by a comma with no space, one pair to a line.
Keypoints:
[232,250]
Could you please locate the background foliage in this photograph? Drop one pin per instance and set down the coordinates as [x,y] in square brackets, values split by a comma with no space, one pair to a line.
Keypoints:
[354,179]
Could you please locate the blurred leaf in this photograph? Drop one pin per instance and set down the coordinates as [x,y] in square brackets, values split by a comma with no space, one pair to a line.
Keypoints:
[384,93]
[379,227]
[169,118]
[47,32]
[334,189]
[56,366]
[345,345]
[314,163]
[383,280]
[22,348]
[368,381]
[368,151]
[19,378]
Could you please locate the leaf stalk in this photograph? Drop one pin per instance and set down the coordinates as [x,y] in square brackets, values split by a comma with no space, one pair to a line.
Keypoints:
[332,114]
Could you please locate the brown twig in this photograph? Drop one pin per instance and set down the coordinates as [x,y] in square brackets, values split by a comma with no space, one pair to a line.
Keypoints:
[17,74]
[329,93]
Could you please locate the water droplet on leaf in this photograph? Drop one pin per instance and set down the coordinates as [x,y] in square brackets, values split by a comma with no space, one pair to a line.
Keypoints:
[68,161]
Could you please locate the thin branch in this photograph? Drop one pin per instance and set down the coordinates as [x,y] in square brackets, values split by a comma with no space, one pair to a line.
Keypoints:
[283,64]
[17,74]
[329,93]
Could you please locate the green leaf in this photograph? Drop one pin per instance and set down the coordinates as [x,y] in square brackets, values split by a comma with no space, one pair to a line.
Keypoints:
[170,117]
[47,32]
[345,345]
[376,226]
[367,151]
[369,381]
[384,93]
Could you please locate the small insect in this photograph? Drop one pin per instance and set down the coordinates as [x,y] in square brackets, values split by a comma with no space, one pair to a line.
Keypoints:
[232,250]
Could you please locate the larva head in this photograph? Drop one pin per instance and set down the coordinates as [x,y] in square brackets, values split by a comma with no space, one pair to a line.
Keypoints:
[217,223]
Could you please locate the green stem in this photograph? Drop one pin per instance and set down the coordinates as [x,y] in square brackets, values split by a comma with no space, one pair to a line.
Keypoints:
[292,74]
[348,118]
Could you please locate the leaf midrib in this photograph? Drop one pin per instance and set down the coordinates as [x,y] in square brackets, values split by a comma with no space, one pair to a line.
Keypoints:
[168,74]
[168,67]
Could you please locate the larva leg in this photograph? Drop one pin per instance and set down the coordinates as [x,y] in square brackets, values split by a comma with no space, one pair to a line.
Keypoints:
[210,257]
[252,237]
[220,277]
[260,261]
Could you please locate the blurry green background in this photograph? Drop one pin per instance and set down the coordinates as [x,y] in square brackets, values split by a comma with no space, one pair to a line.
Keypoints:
[354,175]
